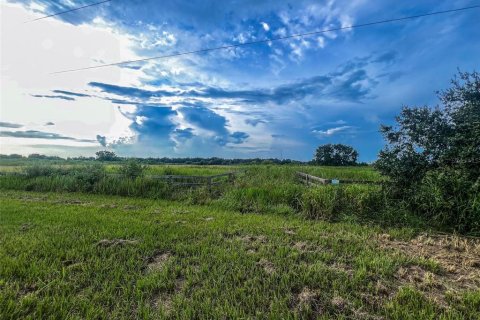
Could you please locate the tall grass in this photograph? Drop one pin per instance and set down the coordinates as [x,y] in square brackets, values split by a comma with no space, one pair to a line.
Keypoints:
[260,189]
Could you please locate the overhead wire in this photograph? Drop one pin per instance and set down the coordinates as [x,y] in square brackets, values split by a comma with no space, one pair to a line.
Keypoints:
[268,40]
[70,10]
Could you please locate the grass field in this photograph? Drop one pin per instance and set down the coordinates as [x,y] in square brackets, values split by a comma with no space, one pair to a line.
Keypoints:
[74,256]
[76,243]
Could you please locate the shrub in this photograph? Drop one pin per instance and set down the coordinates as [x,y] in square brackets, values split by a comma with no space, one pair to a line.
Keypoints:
[432,156]
[132,169]
[42,171]
[88,176]
[447,197]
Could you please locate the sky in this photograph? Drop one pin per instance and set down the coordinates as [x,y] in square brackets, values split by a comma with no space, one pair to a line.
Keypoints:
[278,99]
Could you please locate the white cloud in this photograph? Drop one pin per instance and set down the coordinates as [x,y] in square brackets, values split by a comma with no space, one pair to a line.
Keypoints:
[31,52]
[332,131]
[265,26]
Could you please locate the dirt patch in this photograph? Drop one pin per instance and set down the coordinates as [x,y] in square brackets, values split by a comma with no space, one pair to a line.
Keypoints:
[267,266]
[307,298]
[32,199]
[108,206]
[301,246]
[164,300]
[458,258]
[76,202]
[26,227]
[339,303]
[27,290]
[209,219]
[252,243]
[248,239]
[289,231]
[131,207]
[158,261]
[180,211]
[342,267]
[106,243]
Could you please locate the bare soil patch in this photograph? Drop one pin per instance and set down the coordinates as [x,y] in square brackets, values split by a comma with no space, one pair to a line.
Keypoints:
[306,298]
[252,243]
[26,227]
[108,206]
[164,300]
[180,211]
[267,266]
[458,258]
[131,207]
[76,202]
[106,243]
[290,231]
[158,261]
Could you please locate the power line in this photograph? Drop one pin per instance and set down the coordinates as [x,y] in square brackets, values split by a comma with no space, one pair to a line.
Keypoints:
[269,40]
[70,10]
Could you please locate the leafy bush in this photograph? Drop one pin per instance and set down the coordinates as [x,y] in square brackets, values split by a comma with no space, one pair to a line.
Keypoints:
[433,156]
[88,176]
[448,197]
[132,169]
[43,171]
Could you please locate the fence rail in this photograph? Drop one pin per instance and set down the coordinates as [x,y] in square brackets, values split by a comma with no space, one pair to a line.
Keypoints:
[176,180]
[313,180]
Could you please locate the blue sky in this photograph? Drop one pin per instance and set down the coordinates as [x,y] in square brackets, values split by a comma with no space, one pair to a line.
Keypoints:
[279,99]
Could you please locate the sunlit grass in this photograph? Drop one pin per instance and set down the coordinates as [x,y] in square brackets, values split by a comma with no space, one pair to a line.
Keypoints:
[61,257]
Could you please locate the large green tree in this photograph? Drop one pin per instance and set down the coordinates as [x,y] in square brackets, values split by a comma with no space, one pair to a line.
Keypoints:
[335,155]
[432,155]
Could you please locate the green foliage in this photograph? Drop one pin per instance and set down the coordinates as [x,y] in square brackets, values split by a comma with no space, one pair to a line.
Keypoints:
[332,203]
[335,155]
[132,169]
[447,196]
[106,155]
[61,257]
[432,156]
[42,171]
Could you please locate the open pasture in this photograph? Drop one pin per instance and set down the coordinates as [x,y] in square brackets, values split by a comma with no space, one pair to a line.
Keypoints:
[89,256]
[80,240]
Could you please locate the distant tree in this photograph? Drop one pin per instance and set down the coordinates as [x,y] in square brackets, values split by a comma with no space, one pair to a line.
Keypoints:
[335,155]
[11,156]
[106,155]
[432,155]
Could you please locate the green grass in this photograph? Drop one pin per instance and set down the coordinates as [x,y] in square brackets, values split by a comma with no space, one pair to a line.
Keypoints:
[216,264]
[257,189]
